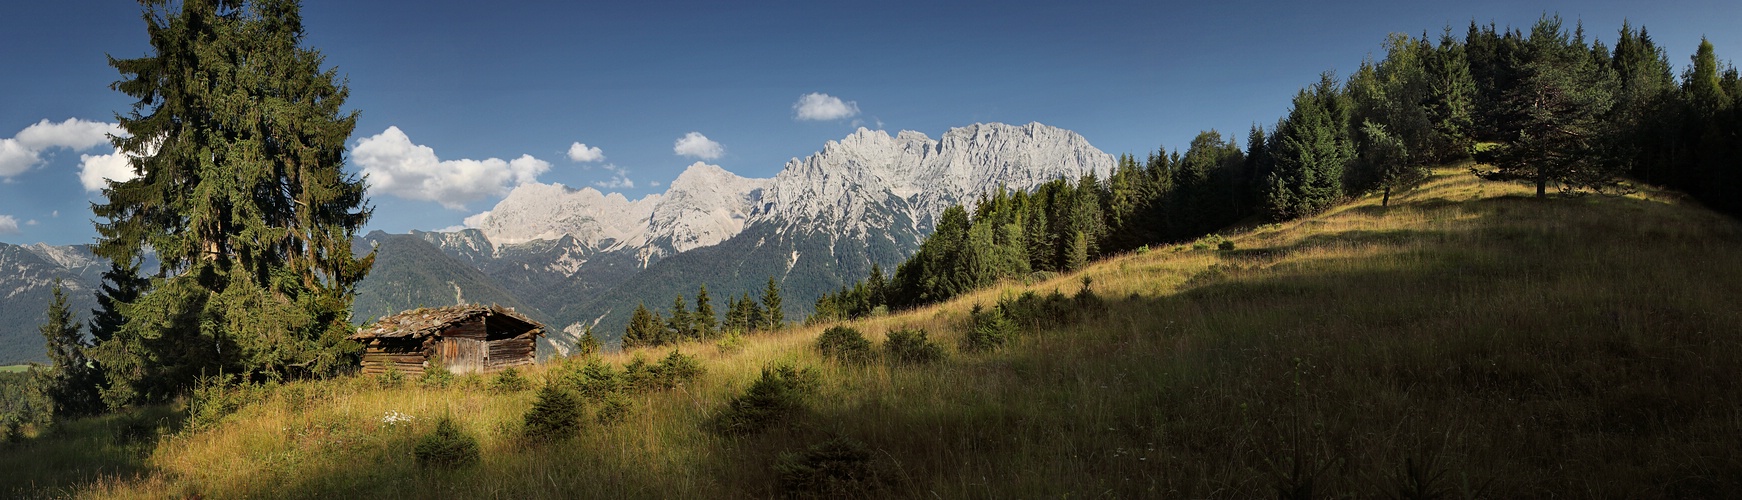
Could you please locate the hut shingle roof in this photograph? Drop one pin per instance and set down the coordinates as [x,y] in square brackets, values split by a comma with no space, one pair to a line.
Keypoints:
[422,322]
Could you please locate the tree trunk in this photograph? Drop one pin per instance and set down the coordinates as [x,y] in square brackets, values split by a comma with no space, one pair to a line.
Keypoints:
[1541,187]
[1386,201]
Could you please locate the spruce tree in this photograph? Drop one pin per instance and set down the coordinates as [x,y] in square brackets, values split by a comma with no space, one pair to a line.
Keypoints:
[754,317]
[1555,128]
[644,329]
[69,382]
[706,324]
[1312,151]
[238,139]
[122,284]
[878,287]
[1451,100]
[587,344]
[773,316]
[679,326]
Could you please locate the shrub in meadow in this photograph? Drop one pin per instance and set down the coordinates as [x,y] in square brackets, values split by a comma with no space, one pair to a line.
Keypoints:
[509,380]
[777,397]
[446,446]
[909,346]
[555,415]
[846,345]
[988,330]
[837,468]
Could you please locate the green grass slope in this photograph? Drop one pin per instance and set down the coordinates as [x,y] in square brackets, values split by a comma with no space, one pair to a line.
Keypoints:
[1465,342]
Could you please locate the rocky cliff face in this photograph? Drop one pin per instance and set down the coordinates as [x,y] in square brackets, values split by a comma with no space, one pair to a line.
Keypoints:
[846,178]
[821,222]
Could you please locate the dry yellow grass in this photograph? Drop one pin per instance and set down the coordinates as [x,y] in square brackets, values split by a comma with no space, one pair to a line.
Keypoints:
[1491,344]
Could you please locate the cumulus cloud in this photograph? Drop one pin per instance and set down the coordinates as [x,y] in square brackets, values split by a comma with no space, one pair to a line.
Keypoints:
[400,168]
[476,220]
[8,225]
[95,170]
[817,106]
[694,144]
[619,179]
[24,150]
[581,153]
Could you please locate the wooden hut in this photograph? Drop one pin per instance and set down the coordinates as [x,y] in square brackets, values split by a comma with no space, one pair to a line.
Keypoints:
[466,338]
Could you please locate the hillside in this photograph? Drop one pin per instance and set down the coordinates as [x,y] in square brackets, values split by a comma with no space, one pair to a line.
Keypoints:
[27,277]
[410,272]
[1466,341]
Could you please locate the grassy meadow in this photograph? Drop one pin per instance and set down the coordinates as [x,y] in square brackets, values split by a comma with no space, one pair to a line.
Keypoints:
[14,368]
[1468,341]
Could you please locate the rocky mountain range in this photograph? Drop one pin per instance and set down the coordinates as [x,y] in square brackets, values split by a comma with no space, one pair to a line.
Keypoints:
[580,257]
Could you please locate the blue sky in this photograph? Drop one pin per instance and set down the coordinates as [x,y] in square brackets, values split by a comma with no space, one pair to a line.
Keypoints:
[500,93]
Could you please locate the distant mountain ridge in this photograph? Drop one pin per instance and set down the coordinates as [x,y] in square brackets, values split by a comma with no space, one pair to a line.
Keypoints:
[586,257]
[573,257]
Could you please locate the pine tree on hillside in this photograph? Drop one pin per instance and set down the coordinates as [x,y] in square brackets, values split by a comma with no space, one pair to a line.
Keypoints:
[69,382]
[1644,106]
[1312,151]
[679,326]
[238,138]
[644,329]
[754,319]
[1391,161]
[1451,100]
[773,316]
[121,285]
[1555,128]
[706,323]
[877,286]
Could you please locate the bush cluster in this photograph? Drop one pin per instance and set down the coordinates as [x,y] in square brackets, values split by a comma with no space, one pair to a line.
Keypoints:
[555,415]
[845,345]
[674,370]
[218,397]
[509,381]
[779,395]
[436,375]
[837,468]
[909,346]
[988,330]
[446,446]
[390,379]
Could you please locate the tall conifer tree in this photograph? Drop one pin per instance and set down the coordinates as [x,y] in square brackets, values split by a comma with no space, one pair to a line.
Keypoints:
[238,138]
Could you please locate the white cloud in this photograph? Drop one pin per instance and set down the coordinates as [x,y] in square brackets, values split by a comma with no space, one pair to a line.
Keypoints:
[581,153]
[15,158]
[55,213]
[653,183]
[23,151]
[697,145]
[817,106]
[30,222]
[94,170]
[8,225]
[397,167]
[619,179]
[477,220]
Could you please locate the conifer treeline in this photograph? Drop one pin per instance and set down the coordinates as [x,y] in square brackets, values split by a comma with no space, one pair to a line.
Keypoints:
[647,328]
[1547,108]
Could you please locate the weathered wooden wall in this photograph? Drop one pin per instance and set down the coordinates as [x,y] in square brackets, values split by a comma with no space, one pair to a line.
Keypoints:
[403,354]
[514,351]
[468,347]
